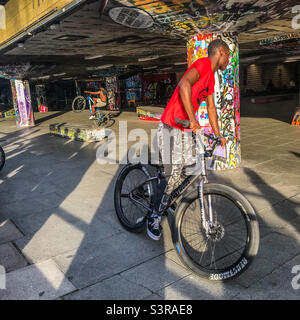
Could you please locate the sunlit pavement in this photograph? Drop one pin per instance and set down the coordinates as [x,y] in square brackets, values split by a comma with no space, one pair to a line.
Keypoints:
[60,238]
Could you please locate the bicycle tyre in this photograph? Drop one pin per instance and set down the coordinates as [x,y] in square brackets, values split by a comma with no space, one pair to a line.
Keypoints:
[79,104]
[252,242]
[140,222]
[106,122]
[2,158]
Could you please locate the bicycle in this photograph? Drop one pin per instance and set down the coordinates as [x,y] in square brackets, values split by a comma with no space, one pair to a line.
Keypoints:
[215,231]
[2,158]
[102,120]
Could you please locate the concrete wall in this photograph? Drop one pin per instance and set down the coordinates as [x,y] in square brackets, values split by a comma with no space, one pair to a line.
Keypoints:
[258,76]
[20,14]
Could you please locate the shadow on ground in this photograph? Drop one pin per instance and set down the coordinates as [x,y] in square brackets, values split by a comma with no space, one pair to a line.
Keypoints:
[62,200]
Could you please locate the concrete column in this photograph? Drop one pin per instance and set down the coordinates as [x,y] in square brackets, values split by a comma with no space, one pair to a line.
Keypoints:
[22,102]
[226,96]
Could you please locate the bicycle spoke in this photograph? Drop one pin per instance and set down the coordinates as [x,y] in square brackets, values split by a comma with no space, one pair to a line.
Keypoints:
[212,254]
[231,233]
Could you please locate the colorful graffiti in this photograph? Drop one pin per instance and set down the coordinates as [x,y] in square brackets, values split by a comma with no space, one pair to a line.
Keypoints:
[113,93]
[41,97]
[185,18]
[22,103]
[158,88]
[8,114]
[290,42]
[296,118]
[226,96]
[133,89]
[147,114]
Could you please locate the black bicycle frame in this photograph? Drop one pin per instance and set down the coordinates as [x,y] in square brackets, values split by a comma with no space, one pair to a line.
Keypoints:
[175,194]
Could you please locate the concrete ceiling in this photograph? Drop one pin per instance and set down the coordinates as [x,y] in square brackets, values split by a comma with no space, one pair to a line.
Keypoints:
[129,30]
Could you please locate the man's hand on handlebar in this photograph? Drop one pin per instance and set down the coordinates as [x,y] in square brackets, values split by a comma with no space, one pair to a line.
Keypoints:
[194,125]
[223,142]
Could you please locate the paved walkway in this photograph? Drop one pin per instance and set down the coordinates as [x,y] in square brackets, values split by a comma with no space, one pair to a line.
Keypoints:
[60,239]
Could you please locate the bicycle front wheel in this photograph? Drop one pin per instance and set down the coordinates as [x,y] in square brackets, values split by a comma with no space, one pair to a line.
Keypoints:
[79,104]
[2,158]
[228,248]
[132,182]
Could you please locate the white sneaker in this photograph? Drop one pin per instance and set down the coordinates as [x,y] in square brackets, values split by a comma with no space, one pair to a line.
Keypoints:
[153,227]
[92,117]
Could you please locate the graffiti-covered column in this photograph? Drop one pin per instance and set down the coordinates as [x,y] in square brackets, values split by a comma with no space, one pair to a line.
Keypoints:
[226,96]
[113,93]
[22,102]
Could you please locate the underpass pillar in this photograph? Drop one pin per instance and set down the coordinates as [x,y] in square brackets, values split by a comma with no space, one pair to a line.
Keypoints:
[226,96]
[22,102]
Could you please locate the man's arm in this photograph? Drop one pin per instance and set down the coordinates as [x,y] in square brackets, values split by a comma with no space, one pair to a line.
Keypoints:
[185,92]
[213,117]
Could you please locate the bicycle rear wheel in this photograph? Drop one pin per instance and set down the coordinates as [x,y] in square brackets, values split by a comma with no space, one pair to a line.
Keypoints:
[2,158]
[229,249]
[105,122]
[79,104]
[132,180]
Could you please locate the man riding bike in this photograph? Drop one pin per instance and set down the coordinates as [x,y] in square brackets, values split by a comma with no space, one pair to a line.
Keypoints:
[99,102]
[196,85]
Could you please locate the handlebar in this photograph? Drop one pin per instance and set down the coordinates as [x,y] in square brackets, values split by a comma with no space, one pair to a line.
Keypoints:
[216,141]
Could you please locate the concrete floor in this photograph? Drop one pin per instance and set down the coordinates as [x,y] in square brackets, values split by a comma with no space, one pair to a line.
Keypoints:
[61,239]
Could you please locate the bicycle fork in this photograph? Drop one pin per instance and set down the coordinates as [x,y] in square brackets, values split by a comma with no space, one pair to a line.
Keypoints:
[207,224]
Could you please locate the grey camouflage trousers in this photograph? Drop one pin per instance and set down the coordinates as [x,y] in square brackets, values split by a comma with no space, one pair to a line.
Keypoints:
[178,154]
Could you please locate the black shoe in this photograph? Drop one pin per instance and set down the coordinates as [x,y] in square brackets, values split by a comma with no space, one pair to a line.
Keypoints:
[153,227]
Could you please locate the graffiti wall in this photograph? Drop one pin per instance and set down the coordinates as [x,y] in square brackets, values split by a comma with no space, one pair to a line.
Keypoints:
[226,96]
[14,71]
[22,103]
[296,118]
[184,18]
[158,88]
[41,97]
[133,89]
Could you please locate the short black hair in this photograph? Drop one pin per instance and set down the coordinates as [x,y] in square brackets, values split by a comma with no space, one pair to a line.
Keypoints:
[214,45]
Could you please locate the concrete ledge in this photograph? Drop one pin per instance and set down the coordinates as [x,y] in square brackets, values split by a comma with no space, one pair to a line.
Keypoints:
[77,133]
[149,113]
